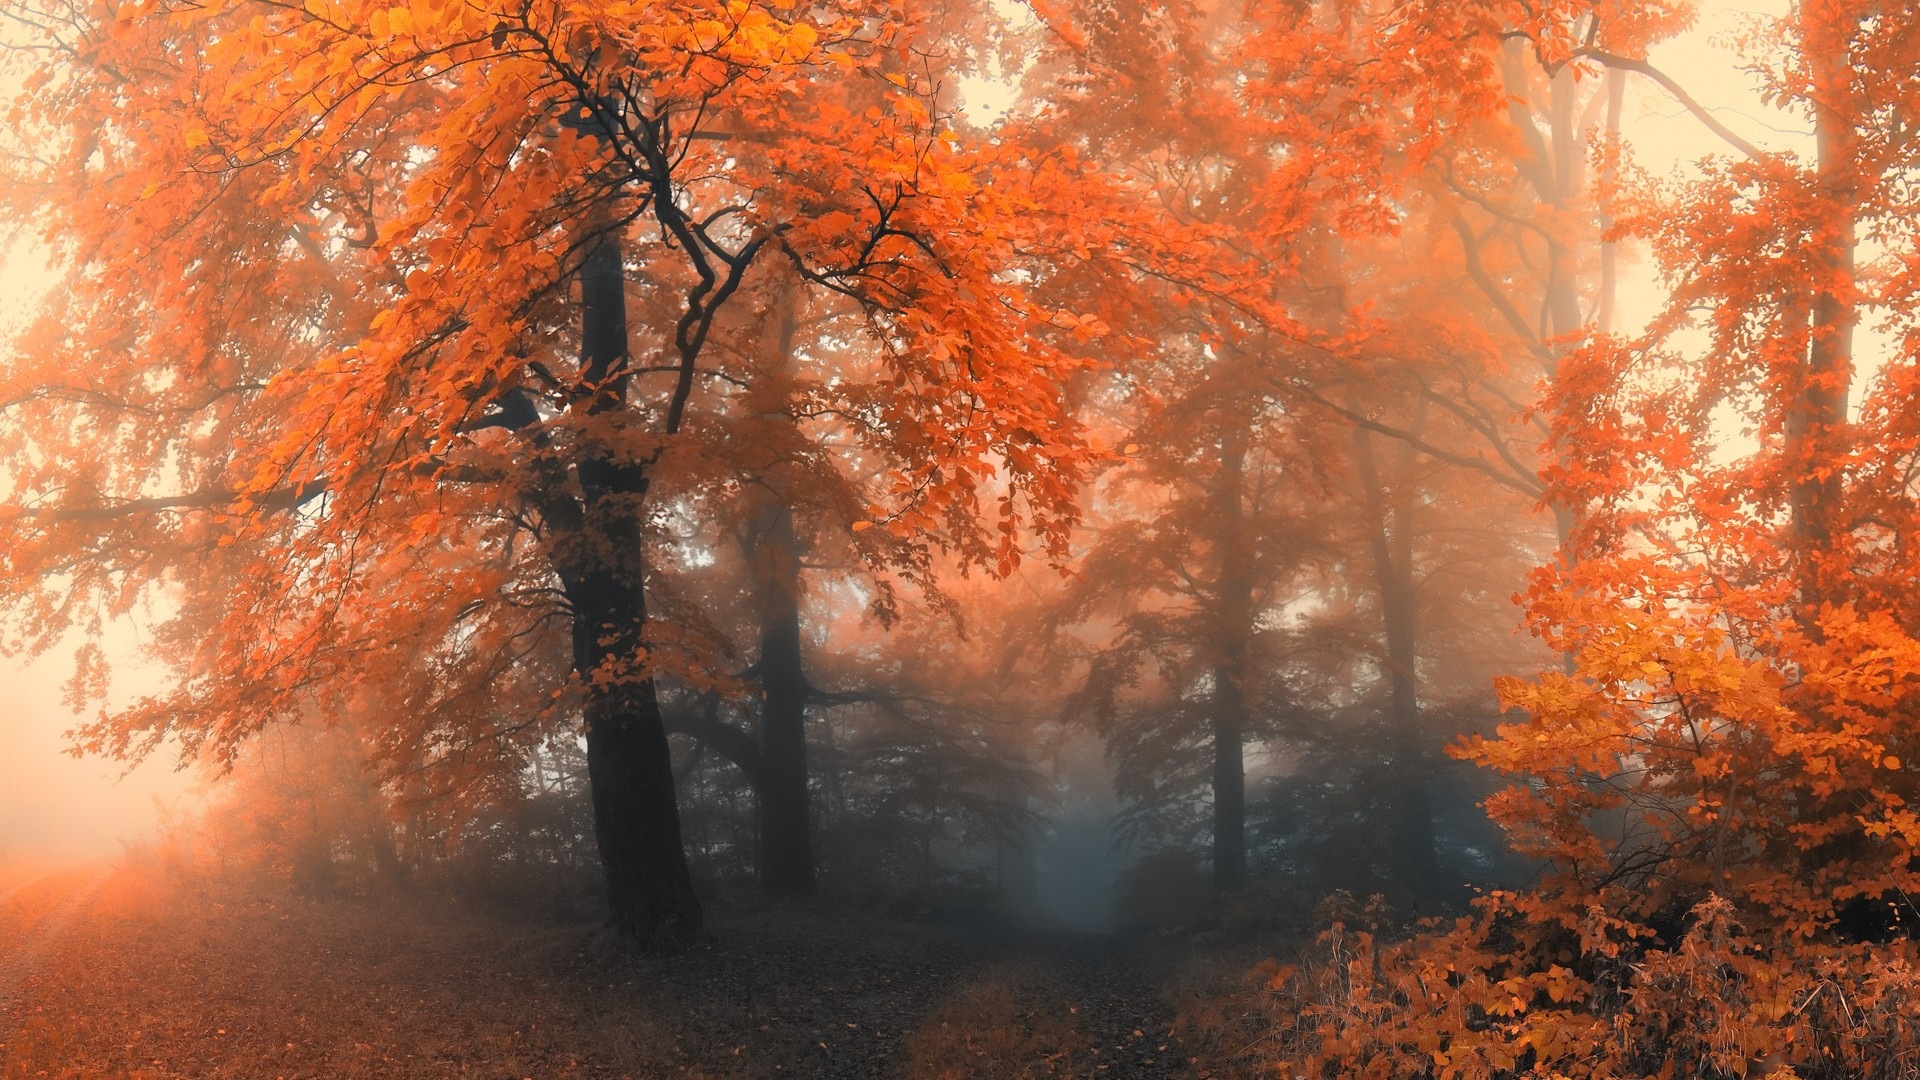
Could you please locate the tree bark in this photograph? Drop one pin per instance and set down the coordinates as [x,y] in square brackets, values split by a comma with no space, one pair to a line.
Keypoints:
[785,813]
[1390,524]
[1229,779]
[1817,423]
[602,566]
[783,807]
[1229,706]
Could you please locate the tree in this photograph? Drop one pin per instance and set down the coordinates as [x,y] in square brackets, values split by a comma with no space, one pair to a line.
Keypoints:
[1719,780]
[1182,605]
[1740,603]
[312,364]
[1227,113]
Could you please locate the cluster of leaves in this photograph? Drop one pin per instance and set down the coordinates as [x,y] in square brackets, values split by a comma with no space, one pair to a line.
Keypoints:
[1520,989]
[1737,713]
[1718,779]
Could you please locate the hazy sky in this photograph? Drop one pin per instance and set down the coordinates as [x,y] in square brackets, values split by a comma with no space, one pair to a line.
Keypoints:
[49,798]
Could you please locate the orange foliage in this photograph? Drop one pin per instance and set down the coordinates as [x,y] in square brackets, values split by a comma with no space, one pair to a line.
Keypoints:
[1718,783]
[313,384]
[1739,709]
[1516,991]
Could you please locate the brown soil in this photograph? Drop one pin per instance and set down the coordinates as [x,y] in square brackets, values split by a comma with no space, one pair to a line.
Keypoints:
[136,974]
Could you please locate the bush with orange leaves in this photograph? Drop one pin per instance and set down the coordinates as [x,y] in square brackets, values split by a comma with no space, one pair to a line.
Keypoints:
[1513,991]
[1716,786]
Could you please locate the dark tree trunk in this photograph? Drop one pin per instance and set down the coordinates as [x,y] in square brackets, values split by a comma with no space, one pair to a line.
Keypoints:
[1410,813]
[1230,714]
[1229,781]
[602,565]
[785,811]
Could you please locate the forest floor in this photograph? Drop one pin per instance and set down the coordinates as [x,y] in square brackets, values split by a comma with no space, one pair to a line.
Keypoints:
[126,971]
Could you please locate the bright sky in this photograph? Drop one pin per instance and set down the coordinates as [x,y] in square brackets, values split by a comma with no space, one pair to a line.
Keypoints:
[50,798]
[1667,140]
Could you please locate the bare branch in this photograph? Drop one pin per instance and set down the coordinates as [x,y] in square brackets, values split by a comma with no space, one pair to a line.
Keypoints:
[1679,94]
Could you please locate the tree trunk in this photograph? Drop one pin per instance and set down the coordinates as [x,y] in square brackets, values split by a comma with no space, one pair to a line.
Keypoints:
[1230,714]
[602,566]
[785,810]
[1817,423]
[1229,779]
[1390,521]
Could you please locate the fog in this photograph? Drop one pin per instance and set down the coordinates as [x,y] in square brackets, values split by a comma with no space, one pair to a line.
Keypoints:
[55,804]
[944,573]
[50,800]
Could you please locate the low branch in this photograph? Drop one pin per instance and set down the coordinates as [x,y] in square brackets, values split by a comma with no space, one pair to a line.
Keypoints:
[1525,484]
[1470,248]
[287,498]
[1483,426]
[728,741]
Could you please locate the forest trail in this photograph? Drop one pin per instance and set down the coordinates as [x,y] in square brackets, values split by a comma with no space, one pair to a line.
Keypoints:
[206,979]
[834,996]
[1113,989]
[36,911]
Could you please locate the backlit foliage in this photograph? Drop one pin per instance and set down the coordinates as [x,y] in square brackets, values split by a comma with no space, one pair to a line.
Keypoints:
[461,381]
[1718,780]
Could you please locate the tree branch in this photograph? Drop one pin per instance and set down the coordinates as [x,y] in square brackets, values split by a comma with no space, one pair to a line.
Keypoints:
[1678,93]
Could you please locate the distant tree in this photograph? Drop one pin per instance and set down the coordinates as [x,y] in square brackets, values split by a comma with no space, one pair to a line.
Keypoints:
[1195,608]
[1226,111]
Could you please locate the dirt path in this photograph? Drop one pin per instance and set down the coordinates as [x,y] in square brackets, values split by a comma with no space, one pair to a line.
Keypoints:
[1122,1009]
[34,915]
[19,871]
[211,982]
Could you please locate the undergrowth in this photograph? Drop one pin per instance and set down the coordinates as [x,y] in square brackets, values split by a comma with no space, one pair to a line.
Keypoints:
[1511,992]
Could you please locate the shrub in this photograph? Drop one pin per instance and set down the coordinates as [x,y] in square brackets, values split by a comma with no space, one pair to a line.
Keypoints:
[1514,992]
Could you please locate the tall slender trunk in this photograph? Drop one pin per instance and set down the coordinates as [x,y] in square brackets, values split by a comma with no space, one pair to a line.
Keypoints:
[1229,778]
[1554,166]
[1569,150]
[601,561]
[785,810]
[1817,420]
[1609,249]
[1391,528]
[1234,616]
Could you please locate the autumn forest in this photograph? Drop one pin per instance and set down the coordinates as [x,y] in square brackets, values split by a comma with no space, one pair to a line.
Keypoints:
[1065,538]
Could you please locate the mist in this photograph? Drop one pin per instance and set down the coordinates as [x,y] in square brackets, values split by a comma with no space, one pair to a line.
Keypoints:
[56,805]
[1098,538]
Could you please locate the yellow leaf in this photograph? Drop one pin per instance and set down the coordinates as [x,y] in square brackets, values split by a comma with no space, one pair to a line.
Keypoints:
[800,41]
